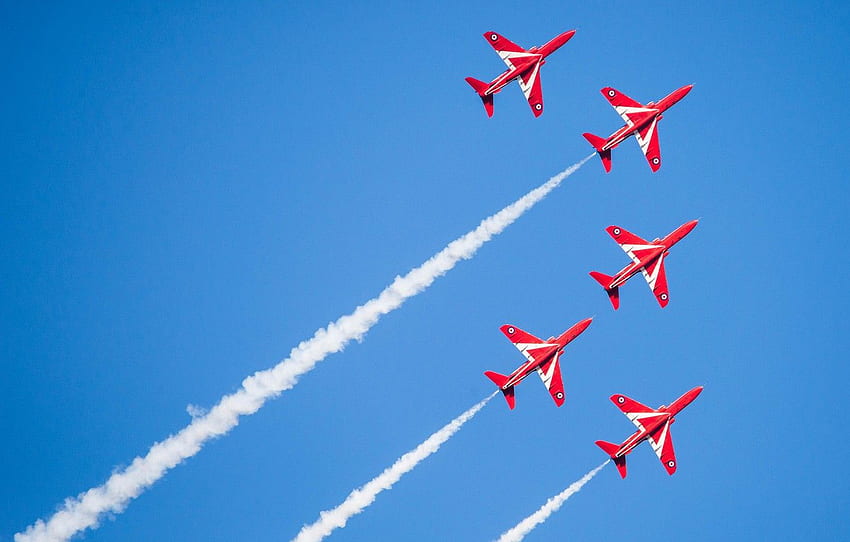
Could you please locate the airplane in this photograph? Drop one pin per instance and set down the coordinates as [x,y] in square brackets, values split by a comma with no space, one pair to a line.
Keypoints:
[652,425]
[641,122]
[648,258]
[542,357]
[524,66]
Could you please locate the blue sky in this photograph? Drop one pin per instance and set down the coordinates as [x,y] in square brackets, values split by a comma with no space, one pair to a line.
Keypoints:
[190,191]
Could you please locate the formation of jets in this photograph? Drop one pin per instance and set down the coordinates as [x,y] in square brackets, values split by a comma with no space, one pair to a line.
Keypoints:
[543,357]
[524,68]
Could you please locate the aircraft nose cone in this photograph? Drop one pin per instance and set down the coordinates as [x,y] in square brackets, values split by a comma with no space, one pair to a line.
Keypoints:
[680,93]
[688,226]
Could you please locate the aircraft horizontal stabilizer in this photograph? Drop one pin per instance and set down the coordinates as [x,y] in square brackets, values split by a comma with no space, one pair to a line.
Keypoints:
[598,143]
[602,279]
[610,448]
[481,87]
[606,160]
[605,281]
[595,140]
[500,380]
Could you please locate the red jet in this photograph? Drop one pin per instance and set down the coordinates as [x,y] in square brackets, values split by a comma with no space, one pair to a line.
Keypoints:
[522,65]
[648,258]
[652,425]
[542,357]
[640,122]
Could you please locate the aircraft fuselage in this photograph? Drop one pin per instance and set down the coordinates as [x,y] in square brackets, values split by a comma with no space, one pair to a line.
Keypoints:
[522,65]
[553,348]
[533,62]
[530,366]
[639,436]
[662,246]
[657,110]
[666,415]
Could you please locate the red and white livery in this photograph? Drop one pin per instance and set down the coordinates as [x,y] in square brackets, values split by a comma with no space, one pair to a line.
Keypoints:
[523,65]
[641,121]
[542,357]
[647,258]
[652,425]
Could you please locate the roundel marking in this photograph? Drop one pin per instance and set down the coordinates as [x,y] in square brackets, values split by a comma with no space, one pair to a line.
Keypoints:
[663,296]
[612,93]
[559,395]
[656,160]
[494,37]
[621,399]
[616,231]
[511,331]
[671,463]
[538,106]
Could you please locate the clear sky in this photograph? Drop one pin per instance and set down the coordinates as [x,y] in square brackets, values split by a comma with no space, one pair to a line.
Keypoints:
[189,191]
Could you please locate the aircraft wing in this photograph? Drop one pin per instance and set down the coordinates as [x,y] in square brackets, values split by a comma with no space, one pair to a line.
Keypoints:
[629,110]
[530,85]
[507,49]
[648,140]
[529,345]
[662,445]
[634,411]
[550,374]
[631,244]
[656,277]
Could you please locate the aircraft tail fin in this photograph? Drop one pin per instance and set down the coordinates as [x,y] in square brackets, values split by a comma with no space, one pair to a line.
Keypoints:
[500,380]
[481,87]
[598,143]
[605,281]
[611,449]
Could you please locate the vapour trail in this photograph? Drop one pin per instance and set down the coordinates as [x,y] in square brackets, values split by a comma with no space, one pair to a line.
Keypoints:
[362,497]
[85,510]
[525,526]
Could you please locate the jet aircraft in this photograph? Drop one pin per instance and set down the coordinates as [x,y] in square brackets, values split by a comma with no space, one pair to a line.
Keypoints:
[640,121]
[652,425]
[524,66]
[648,258]
[542,357]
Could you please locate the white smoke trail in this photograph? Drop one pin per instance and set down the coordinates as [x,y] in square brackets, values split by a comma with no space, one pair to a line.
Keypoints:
[84,511]
[360,498]
[552,505]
